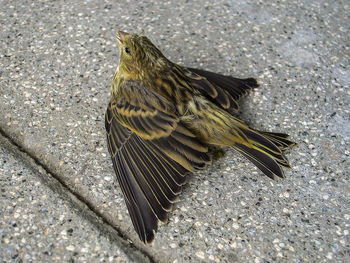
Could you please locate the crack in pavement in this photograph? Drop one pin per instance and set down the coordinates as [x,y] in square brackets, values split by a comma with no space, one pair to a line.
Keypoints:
[95,217]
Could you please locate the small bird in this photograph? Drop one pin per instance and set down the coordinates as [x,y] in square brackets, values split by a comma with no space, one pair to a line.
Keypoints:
[160,120]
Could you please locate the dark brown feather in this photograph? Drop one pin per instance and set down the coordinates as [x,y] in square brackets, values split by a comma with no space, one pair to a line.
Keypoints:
[151,152]
[210,90]
[264,153]
[280,140]
[266,164]
[234,86]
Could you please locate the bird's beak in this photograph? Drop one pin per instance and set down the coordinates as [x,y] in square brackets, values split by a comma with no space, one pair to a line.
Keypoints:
[121,37]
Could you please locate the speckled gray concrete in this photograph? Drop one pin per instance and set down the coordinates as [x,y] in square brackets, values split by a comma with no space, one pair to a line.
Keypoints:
[41,222]
[57,61]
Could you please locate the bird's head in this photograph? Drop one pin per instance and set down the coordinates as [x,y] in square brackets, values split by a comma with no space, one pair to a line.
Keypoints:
[138,57]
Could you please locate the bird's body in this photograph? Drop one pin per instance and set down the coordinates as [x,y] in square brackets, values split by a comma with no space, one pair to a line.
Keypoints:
[160,121]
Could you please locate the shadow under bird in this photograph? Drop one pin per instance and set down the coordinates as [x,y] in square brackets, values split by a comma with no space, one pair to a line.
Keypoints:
[160,120]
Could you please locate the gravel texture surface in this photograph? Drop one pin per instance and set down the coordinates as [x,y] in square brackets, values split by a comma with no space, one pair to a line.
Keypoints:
[57,60]
[40,221]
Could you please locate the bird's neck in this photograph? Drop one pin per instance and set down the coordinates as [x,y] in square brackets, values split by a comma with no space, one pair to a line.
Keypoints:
[117,81]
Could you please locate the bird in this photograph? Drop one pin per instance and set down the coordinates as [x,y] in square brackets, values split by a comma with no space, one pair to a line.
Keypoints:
[162,119]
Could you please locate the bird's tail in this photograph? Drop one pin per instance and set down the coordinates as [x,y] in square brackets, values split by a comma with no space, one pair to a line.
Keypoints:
[265,150]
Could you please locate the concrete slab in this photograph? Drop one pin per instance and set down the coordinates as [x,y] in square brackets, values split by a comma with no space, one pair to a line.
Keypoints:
[57,61]
[41,221]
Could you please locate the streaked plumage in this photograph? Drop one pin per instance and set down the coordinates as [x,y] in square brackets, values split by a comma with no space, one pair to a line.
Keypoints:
[160,120]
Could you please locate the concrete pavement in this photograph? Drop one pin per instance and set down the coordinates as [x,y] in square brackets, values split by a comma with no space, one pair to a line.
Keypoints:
[57,60]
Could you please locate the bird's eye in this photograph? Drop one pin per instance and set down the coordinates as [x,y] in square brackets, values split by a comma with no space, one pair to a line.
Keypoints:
[127,50]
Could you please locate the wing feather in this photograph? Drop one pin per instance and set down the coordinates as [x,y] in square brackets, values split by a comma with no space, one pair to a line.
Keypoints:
[151,151]
[225,91]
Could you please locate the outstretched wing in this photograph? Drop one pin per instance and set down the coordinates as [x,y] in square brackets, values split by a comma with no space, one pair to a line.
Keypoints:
[151,151]
[225,91]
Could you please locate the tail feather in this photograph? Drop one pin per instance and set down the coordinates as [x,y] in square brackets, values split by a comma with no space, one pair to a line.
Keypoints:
[259,140]
[265,151]
[264,162]
[280,140]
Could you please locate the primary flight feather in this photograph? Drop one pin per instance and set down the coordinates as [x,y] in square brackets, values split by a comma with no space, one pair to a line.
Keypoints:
[160,120]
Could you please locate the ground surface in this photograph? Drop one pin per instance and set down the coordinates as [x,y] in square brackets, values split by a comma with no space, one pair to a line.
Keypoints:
[59,198]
